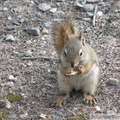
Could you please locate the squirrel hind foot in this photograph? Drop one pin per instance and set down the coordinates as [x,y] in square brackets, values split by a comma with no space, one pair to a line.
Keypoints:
[59,102]
[89,99]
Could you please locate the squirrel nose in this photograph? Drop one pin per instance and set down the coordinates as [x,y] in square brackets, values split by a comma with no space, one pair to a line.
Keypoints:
[72,64]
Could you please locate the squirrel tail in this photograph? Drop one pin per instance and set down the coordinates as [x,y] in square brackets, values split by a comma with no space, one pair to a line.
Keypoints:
[62,31]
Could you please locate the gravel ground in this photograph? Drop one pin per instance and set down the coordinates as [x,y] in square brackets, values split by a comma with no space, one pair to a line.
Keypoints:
[26,29]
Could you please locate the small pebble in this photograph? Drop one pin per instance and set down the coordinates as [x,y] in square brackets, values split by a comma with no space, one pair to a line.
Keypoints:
[42,38]
[29,63]
[9,18]
[80,3]
[103,109]
[8,105]
[12,78]
[90,14]
[45,31]
[113,81]
[53,10]
[118,101]
[43,116]
[59,14]
[23,116]
[28,42]
[1,7]
[10,38]
[10,84]
[33,31]
[99,13]
[110,113]
[92,0]
[38,15]
[60,0]
[9,27]
[47,24]
[17,9]
[44,6]
[87,19]
[2,85]
[5,9]
[88,30]
[88,7]
[28,53]
[97,108]
[14,53]
[118,85]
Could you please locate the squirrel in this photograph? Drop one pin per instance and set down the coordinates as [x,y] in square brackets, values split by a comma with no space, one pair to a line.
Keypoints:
[78,66]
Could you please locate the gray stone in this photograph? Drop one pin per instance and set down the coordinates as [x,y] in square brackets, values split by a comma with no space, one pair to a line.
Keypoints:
[2,85]
[47,24]
[53,10]
[20,19]
[118,101]
[78,4]
[45,31]
[44,6]
[98,109]
[88,30]
[88,7]
[82,2]
[9,27]
[60,0]
[9,18]
[59,14]
[28,42]
[99,13]
[1,7]
[92,1]
[10,84]
[23,116]
[90,14]
[17,9]
[14,53]
[10,38]
[12,78]
[38,15]
[87,19]
[28,53]
[111,112]
[42,38]
[103,109]
[8,105]
[113,81]
[118,85]
[33,31]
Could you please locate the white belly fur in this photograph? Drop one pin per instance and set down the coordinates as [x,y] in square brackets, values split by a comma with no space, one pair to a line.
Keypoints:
[86,82]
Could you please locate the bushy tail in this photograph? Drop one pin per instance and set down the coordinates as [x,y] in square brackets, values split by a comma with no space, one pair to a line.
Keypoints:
[63,28]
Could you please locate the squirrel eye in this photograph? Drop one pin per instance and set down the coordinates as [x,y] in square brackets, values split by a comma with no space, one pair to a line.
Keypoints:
[65,52]
[80,52]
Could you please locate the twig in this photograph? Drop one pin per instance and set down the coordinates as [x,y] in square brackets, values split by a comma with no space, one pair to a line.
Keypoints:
[40,57]
[94,17]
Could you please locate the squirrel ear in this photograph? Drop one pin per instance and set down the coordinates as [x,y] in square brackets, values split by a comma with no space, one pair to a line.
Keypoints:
[81,37]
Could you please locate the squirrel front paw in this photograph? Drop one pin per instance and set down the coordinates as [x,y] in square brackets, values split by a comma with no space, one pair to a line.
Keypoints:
[68,72]
[80,69]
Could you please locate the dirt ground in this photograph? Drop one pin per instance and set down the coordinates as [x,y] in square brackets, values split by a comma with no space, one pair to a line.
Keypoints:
[36,80]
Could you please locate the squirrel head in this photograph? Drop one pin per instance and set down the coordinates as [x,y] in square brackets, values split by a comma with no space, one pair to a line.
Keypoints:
[75,49]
